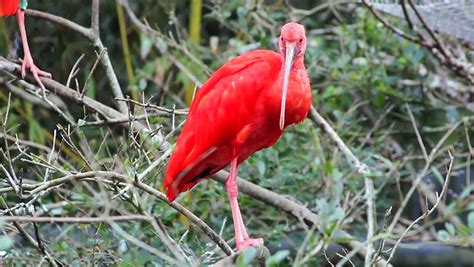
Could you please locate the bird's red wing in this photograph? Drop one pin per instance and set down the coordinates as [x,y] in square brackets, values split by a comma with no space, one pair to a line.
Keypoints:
[8,7]
[221,108]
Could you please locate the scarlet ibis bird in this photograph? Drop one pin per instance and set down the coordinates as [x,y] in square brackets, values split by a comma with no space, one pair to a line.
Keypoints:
[11,7]
[242,108]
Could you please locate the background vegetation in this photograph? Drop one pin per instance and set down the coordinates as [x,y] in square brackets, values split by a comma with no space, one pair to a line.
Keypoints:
[87,152]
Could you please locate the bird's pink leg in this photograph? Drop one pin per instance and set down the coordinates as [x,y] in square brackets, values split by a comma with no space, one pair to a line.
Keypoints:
[28,59]
[242,239]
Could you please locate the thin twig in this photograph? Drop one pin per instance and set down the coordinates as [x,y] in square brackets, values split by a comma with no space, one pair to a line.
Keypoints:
[163,109]
[370,196]
[50,157]
[143,174]
[10,180]
[78,220]
[33,242]
[61,90]
[166,238]
[95,16]
[428,212]
[433,44]
[201,224]
[299,211]
[94,36]
[74,71]
[147,29]
[141,244]
[351,158]
[420,175]
[418,136]
[42,187]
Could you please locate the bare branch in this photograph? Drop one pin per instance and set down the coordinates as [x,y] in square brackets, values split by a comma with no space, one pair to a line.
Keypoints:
[95,17]
[352,160]
[433,44]
[428,212]
[78,220]
[418,136]
[420,175]
[61,21]
[106,111]
[93,36]
[41,188]
[299,211]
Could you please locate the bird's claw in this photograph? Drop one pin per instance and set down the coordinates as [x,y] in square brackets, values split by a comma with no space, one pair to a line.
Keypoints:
[249,242]
[28,64]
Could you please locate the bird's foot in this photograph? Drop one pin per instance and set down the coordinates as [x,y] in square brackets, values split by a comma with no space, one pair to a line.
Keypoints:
[28,64]
[249,242]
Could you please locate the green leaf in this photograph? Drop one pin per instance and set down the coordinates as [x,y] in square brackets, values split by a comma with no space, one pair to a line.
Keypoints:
[360,61]
[146,45]
[62,246]
[142,84]
[90,90]
[226,14]
[328,167]
[452,114]
[439,177]
[443,235]
[450,228]
[276,258]
[379,99]
[81,122]
[261,167]
[5,243]
[470,220]
[337,215]
[337,175]
[34,131]
[246,257]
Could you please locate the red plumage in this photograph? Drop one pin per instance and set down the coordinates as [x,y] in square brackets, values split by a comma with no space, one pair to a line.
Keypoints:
[234,114]
[243,107]
[221,109]
[8,7]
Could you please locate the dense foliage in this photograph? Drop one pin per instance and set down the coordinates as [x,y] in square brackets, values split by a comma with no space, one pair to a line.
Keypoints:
[375,88]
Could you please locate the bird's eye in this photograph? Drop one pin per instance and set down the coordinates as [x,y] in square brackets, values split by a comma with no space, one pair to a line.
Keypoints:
[301,40]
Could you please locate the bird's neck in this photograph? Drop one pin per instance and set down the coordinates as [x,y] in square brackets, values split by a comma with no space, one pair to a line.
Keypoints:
[298,63]
[298,95]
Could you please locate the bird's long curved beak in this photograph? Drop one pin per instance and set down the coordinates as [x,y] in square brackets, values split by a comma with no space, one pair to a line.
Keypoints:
[289,56]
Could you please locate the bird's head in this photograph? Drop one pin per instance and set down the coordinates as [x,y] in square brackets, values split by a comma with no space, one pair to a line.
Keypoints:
[292,40]
[292,47]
